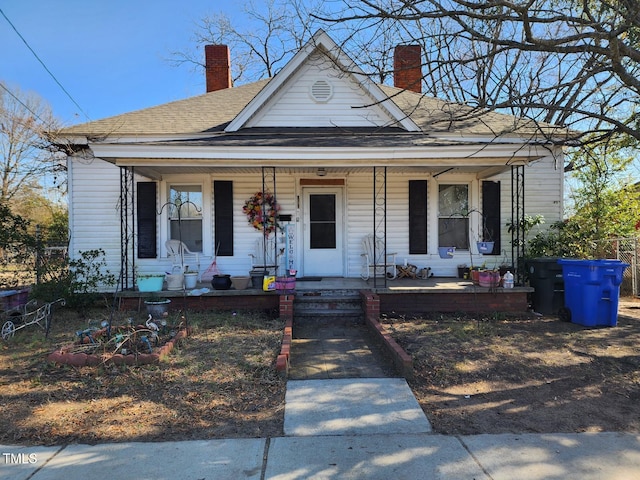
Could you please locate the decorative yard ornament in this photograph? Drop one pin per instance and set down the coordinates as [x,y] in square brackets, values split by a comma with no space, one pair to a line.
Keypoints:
[262,212]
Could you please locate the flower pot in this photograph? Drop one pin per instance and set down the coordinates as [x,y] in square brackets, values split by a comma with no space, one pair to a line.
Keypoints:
[446,252]
[190,280]
[485,247]
[150,283]
[489,278]
[175,281]
[463,272]
[285,284]
[256,277]
[221,282]
[475,276]
[240,282]
[157,309]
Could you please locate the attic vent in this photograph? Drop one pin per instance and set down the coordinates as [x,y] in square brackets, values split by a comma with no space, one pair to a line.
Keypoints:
[321,91]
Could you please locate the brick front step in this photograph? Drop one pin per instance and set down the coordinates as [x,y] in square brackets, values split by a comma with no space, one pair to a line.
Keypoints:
[328,308]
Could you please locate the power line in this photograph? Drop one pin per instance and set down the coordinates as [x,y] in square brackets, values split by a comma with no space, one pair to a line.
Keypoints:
[2,85]
[44,66]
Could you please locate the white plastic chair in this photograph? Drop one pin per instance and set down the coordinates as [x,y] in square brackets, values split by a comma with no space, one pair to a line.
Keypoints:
[382,264]
[262,257]
[182,257]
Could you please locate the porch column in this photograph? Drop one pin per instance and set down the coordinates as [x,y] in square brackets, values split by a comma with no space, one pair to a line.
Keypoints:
[127,222]
[269,185]
[380,220]
[517,219]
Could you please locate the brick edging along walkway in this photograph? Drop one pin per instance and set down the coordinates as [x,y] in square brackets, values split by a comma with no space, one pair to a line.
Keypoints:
[402,360]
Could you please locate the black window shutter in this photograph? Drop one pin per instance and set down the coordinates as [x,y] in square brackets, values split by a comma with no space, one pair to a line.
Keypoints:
[491,215]
[223,217]
[417,216]
[146,209]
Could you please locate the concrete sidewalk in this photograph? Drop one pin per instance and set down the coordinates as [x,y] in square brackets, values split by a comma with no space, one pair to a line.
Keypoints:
[341,429]
[399,456]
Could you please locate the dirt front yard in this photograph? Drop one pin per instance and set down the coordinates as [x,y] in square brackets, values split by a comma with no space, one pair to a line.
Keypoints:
[220,382]
[473,375]
[532,374]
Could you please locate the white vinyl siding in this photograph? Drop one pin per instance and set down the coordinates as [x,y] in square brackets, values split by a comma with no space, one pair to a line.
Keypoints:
[245,236]
[94,215]
[294,105]
[95,218]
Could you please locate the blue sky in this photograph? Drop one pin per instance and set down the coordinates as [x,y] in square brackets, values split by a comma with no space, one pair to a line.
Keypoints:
[110,55]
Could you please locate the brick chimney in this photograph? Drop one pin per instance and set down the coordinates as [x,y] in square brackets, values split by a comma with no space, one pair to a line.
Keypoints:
[407,67]
[217,60]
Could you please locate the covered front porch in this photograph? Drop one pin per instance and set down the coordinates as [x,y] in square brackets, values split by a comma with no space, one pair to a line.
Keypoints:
[324,215]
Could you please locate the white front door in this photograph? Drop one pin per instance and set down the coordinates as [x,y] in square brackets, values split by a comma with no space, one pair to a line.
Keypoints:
[322,232]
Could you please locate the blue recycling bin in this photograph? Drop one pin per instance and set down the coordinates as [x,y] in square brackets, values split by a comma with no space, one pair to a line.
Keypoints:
[592,290]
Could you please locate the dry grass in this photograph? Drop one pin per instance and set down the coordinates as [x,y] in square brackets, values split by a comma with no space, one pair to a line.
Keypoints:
[221,382]
[528,374]
[473,375]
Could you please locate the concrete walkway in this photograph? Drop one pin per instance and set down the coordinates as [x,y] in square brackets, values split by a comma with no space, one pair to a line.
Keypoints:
[369,406]
[333,351]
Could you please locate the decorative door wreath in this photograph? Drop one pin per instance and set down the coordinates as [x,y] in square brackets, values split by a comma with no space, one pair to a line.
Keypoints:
[262,210]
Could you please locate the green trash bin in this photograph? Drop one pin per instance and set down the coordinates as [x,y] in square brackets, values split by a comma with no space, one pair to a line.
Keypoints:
[545,276]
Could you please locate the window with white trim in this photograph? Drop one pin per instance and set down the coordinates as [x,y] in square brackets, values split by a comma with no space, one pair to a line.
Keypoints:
[185,215]
[453,216]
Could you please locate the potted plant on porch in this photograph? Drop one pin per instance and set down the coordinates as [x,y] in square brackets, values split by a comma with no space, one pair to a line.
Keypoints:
[489,278]
[485,247]
[190,279]
[486,243]
[240,282]
[149,282]
[464,271]
[446,252]
[175,280]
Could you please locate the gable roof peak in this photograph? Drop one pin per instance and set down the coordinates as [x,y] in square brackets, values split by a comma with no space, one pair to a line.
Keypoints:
[341,62]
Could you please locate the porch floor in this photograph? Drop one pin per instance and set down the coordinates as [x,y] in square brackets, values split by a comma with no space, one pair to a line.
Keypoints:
[398,295]
[339,283]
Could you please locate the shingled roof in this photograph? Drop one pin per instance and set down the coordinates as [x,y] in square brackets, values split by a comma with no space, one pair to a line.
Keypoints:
[227,111]
[212,112]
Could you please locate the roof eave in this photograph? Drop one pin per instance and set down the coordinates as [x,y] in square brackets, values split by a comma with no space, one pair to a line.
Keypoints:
[131,155]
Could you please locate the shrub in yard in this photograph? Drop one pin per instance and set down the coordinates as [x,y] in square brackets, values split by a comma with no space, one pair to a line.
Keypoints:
[78,281]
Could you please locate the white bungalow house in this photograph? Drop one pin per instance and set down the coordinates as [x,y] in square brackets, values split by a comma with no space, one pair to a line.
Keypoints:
[345,158]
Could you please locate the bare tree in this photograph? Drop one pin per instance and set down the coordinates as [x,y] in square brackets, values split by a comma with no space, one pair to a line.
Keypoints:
[26,155]
[270,34]
[568,62]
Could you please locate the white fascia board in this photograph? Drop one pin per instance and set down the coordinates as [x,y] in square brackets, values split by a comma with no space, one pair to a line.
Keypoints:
[442,162]
[181,155]
[345,63]
[72,140]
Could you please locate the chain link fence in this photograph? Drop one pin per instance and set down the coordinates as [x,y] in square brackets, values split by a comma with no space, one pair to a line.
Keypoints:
[21,266]
[626,250]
